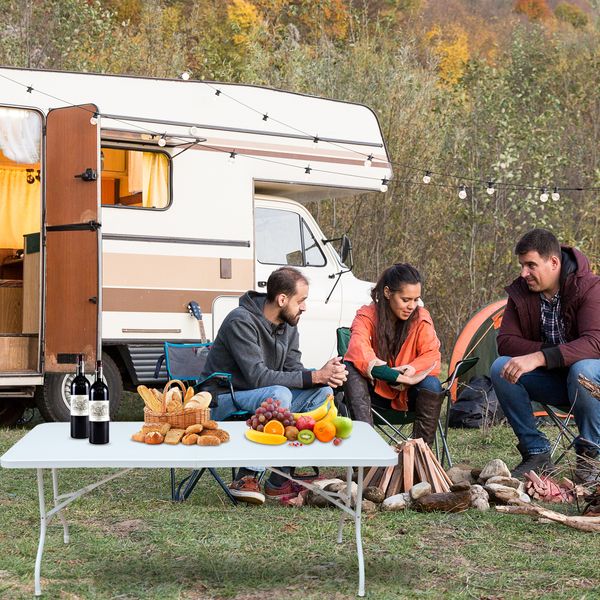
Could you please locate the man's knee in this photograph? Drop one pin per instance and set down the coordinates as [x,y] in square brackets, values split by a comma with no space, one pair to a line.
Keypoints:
[589,368]
[283,394]
[324,392]
[497,367]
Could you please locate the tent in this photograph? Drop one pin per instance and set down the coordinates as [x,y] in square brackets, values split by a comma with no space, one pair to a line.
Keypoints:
[478,338]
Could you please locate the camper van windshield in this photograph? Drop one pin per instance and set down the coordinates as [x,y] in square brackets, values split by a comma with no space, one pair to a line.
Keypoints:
[135,178]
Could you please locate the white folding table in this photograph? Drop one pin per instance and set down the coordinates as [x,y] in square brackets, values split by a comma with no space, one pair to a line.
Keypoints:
[49,446]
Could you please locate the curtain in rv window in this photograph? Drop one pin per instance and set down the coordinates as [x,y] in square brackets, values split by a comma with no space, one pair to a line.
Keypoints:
[135,178]
[20,144]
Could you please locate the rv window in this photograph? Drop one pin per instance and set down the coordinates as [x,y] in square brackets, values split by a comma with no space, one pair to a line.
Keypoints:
[278,240]
[135,178]
[312,253]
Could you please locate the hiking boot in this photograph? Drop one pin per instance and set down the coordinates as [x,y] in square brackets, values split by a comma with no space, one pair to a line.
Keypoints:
[428,406]
[247,489]
[587,469]
[282,493]
[539,463]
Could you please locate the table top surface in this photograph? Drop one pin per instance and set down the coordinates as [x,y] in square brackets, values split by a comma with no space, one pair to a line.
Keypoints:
[49,445]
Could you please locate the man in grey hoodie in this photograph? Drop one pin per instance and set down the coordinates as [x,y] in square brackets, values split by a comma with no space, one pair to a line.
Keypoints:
[258,345]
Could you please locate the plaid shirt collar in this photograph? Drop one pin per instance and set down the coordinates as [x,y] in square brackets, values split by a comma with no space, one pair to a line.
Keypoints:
[553,328]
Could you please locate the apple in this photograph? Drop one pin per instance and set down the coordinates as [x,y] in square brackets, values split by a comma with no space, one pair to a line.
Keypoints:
[343,427]
[304,422]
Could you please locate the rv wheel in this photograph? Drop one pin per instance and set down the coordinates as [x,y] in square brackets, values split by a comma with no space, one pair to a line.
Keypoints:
[54,397]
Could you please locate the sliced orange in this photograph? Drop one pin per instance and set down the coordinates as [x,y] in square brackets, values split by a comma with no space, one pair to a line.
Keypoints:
[324,431]
[274,426]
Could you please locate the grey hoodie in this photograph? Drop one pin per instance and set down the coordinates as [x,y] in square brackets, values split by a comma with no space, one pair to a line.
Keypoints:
[256,352]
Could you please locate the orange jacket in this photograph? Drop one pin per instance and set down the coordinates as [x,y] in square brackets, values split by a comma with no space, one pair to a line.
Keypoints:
[420,350]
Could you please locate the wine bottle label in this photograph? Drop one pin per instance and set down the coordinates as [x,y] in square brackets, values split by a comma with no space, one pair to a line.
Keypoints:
[99,410]
[80,406]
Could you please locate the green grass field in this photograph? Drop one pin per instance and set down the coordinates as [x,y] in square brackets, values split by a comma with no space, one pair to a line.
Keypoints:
[128,540]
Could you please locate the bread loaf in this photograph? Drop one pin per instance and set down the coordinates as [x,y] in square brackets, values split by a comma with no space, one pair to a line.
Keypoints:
[154,437]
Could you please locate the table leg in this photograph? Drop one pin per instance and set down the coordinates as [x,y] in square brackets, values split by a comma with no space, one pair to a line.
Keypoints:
[61,515]
[357,526]
[38,559]
[348,501]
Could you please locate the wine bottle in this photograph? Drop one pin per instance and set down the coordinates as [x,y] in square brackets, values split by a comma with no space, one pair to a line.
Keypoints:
[80,398]
[99,409]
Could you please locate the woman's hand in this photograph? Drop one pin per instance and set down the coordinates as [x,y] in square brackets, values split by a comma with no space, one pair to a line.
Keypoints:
[415,377]
[406,370]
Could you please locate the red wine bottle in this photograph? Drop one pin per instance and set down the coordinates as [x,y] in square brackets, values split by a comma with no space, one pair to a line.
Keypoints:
[80,398]
[99,409]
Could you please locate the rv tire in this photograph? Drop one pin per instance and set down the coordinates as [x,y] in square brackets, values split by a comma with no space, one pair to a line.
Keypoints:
[52,399]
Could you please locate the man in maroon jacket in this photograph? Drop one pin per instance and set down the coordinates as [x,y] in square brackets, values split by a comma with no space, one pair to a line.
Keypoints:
[550,334]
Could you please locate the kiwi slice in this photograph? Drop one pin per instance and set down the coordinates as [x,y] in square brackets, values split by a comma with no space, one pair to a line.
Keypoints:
[306,436]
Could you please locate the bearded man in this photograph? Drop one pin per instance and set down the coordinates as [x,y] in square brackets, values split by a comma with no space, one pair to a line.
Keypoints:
[258,345]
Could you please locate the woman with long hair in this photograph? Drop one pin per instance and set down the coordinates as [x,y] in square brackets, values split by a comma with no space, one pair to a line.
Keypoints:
[393,356]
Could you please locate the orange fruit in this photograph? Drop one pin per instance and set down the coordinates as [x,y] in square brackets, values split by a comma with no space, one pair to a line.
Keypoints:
[324,431]
[274,426]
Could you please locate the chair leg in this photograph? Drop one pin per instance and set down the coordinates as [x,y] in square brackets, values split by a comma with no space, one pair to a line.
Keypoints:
[223,485]
[186,486]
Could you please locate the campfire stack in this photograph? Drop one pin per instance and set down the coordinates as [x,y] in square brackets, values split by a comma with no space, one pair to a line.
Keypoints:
[416,464]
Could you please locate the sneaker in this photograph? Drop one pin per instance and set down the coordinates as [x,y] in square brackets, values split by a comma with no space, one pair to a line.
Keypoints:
[587,470]
[540,463]
[288,490]
[247,489]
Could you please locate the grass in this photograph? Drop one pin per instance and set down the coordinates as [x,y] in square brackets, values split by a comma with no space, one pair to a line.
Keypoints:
[129,541]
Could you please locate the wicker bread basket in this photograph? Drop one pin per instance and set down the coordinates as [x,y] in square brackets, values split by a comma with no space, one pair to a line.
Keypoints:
[179,419]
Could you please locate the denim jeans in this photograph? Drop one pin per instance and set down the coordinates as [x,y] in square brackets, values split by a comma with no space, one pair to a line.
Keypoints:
[295,400]
[558,387]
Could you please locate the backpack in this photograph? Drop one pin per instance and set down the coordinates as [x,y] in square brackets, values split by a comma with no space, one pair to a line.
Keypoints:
[476,406]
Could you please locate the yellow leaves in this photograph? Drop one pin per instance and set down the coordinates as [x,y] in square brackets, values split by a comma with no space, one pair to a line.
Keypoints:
[451,47]
[534,10]
[243,18]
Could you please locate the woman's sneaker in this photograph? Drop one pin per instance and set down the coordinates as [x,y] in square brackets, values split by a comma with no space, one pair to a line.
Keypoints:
[247,489]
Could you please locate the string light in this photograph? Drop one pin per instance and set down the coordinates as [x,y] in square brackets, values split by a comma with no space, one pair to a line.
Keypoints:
[427,177]
[368,161]
[162,142]
[94,119]
[265,117]
[490,188]
[544,195]
[555,195]
[462,194]
[194,131]
[185,76]
[384,186]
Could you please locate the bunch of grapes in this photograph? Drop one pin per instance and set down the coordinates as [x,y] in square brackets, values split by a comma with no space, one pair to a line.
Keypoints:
[270,409]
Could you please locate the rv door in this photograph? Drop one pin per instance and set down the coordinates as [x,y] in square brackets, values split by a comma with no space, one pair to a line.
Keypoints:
[72,238]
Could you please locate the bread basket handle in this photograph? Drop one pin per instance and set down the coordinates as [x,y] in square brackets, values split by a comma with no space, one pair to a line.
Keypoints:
[170,383]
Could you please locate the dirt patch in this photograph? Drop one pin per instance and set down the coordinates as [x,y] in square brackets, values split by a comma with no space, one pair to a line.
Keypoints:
[123,529]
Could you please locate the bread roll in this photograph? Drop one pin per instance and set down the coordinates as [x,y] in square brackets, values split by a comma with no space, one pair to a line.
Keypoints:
[211,425]
[154,437]
[194,428]
[208,440]
[190,439]
[139,436]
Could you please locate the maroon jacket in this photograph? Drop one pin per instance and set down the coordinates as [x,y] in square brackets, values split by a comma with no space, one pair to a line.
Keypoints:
[520,332]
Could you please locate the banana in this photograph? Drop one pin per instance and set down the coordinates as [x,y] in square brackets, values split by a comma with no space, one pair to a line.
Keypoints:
[260,437]
[318,413]
[332,413]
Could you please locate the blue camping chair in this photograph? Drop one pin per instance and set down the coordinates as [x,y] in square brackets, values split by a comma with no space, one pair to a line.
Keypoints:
[186,363]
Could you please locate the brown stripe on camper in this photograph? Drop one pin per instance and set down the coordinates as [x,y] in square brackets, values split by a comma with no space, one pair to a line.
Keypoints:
[191,272]
[167,301]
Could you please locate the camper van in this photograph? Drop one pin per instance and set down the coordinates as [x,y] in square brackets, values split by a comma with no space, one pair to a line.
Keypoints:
[126,201]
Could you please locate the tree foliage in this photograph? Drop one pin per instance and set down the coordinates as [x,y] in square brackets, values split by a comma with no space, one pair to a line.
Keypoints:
[494,90]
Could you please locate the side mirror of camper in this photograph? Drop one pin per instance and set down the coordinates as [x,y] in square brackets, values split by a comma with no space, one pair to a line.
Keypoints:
[346,251]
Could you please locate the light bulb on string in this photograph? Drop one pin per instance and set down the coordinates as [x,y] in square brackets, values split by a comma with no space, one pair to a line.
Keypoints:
[427,177]
[94,119]
[384,185]
[544,195]
[194,131]
[185,76]
[162,142]
[555,195]
[462,193]
[369,160]
[490,189]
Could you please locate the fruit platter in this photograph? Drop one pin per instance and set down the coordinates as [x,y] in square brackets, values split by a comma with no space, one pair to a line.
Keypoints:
[274,424]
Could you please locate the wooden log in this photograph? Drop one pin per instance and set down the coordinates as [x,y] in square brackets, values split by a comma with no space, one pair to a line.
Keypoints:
[385,479]
[408,466]
[444,502]
[589,524]
[395,482]
[369,476]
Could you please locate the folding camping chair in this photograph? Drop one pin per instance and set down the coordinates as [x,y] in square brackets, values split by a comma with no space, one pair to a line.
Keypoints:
[384,416]
[186,363]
